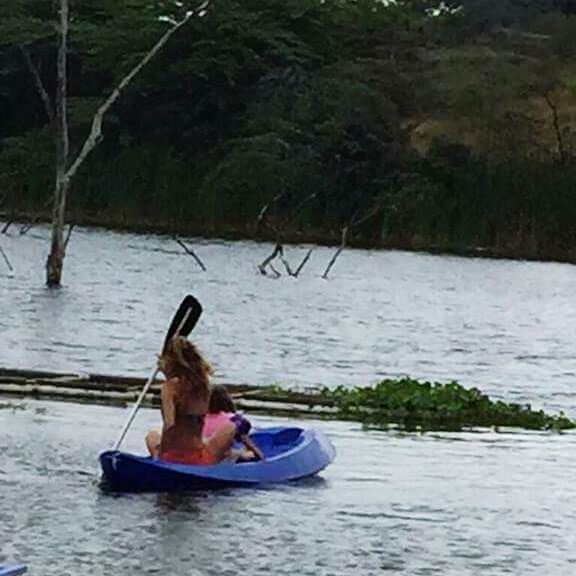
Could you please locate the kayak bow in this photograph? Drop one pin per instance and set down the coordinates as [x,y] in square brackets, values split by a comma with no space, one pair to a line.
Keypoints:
[12,570]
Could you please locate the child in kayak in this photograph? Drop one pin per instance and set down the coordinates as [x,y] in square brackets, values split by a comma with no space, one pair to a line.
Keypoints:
[222,411]
[185,401]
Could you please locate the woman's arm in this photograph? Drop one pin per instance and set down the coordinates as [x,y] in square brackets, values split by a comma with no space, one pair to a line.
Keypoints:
[243,427]
[250,445]
[169,394]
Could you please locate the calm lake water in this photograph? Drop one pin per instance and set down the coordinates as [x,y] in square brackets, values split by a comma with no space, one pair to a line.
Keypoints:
[437,504]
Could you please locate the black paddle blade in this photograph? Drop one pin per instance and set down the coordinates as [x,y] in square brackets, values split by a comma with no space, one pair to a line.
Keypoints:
[184,320]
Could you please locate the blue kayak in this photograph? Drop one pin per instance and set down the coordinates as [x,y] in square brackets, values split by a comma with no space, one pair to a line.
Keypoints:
[290,454]
[12,570]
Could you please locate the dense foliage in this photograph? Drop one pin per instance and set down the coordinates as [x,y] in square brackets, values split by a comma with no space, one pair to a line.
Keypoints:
[422,126]
[433,406]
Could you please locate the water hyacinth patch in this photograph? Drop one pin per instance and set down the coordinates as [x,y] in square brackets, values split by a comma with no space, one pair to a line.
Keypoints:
[415,405]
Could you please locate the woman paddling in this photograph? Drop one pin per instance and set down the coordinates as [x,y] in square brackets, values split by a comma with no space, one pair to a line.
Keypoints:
[185,401]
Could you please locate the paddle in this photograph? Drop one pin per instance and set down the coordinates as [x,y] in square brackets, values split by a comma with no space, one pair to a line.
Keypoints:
[182,324]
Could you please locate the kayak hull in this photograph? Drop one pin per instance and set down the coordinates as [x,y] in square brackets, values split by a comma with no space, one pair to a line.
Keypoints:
[290,454]
[12,570]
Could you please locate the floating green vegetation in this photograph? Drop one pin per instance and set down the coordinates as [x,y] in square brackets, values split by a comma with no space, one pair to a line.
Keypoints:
[415,405]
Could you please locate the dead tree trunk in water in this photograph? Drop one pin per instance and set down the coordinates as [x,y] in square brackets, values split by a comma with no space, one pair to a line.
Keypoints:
[65,174]
[57,248]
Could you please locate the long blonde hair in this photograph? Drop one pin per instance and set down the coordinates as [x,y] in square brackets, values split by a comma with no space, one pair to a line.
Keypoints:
[183,360]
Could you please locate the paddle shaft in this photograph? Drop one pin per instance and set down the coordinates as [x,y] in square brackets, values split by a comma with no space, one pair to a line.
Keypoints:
[144,392]
[135,409]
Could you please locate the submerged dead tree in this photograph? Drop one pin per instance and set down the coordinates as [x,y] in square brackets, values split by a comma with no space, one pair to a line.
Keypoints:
[337,253]
[361,215]
[278,251]
[356,219]
[57,248]
[65,171]
[190,252]
[6,260]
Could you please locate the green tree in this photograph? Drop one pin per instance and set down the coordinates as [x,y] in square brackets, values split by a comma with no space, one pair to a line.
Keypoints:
[66,169]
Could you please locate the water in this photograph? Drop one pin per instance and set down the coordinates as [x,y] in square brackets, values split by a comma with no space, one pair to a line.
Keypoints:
[434,504]
[447,504]
[506,327]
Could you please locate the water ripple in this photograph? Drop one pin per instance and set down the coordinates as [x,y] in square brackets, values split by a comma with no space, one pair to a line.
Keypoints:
[503,327]
[442,504]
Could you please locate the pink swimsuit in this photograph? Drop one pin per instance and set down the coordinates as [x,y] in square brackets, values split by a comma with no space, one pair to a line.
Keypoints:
[213,422]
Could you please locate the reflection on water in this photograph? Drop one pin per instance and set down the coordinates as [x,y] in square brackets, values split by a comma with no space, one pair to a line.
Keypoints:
[506,327]
[442,504]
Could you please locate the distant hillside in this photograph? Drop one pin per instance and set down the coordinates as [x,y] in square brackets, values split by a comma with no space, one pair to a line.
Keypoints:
[295,119]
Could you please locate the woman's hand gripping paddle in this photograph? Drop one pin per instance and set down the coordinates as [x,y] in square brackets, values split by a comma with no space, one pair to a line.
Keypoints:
[182,324]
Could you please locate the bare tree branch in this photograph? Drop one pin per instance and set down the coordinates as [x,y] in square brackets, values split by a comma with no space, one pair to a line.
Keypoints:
[286,265]
[278,250]
[303,263]
[356,221]
[298,208]
[48,108]
[557,129]
[27,226]
[276,273]
[191,253]
[65,171]
[292,214]
[337,253]
[264,211]
[70,228]
[96,132]
[33,220]
[6,259]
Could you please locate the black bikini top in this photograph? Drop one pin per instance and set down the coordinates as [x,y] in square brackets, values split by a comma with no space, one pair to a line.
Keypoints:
[195,417]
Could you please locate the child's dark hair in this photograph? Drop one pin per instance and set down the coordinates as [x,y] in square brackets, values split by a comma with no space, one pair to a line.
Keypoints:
[220,401]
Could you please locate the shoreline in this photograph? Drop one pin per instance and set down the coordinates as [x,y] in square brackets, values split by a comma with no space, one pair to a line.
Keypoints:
[294,237]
